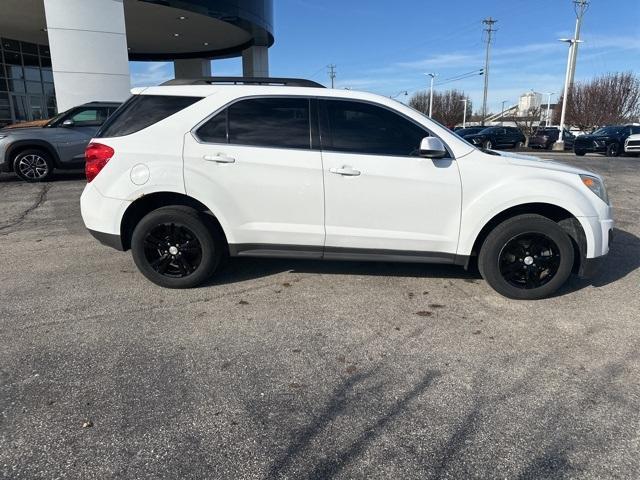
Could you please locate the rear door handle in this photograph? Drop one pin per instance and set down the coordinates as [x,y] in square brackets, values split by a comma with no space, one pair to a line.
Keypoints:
[219,158]
[346,171]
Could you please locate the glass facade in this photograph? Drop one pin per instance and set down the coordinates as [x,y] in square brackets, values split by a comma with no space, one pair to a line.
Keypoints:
[26,82]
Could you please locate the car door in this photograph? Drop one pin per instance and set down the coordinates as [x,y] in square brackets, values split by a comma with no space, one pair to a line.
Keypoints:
[381,198]
[502,137]
[258,167]
[75,131]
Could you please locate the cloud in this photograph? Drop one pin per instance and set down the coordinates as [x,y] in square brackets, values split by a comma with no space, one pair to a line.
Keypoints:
[144,74]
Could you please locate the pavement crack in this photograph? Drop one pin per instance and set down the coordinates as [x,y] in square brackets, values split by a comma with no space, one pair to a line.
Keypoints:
[42,197]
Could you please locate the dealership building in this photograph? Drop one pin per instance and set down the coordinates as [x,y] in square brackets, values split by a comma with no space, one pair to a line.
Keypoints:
[55,54]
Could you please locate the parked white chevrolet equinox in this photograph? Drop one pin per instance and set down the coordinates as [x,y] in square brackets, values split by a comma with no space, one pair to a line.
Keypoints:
[191,171]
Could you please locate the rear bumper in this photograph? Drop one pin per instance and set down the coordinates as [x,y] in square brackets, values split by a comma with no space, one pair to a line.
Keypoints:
[102,216]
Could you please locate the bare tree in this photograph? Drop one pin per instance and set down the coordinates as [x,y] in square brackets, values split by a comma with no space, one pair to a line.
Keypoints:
[610,99]
[448,106]
[528,122]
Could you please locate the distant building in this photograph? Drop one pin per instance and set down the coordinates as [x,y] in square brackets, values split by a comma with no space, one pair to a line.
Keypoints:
[529,101]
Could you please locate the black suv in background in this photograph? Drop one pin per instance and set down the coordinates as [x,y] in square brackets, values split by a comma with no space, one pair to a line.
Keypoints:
[606,140]
[496,137]
[462,132]
[545,137]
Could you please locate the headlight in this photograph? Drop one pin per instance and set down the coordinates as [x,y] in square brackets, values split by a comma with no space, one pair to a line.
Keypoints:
[596,186]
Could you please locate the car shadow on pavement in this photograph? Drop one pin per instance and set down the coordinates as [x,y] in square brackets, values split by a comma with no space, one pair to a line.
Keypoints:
[624,258]
[57,176]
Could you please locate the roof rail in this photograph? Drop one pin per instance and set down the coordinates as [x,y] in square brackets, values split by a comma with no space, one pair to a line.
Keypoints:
[289,82]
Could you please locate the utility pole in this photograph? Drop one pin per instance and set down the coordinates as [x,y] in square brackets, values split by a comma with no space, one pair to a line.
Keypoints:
[464,113]
[580,7]
[433,76]
[489,22]
[559,144]
[332,74]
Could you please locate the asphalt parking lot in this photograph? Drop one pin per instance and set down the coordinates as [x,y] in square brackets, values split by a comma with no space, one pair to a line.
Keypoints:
[291,369]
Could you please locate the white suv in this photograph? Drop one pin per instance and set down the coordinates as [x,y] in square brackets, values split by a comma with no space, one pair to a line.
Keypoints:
[191,171]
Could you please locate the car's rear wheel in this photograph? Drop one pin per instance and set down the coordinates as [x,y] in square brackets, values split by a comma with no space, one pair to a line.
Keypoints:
[613,150]
[526,257]
[518,145]
[176,247]
[579,153]
[33,165]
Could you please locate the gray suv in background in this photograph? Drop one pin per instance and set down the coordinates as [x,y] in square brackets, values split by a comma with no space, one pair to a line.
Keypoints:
[32,152]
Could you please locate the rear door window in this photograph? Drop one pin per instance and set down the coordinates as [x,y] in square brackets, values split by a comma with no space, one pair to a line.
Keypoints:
[142,111]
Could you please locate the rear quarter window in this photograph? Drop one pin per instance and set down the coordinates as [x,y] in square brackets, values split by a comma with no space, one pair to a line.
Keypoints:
[142,111]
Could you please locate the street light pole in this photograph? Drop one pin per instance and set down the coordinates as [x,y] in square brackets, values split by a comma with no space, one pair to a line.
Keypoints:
[433,76]
[502,113]
[548,116]
[464,113]
[559,144]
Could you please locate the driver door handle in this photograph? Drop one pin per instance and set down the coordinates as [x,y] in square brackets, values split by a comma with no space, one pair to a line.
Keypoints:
[219,158]
[346,171]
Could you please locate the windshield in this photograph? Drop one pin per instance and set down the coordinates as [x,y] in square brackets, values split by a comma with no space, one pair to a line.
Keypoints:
[55,119]
[608,131]
[467,131]
[489,130]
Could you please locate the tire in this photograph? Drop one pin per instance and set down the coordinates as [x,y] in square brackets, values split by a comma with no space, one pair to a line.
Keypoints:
[518,145]
[33,165]
[580,153]
[613,150]
[487,145]
[177,247]
[507,259]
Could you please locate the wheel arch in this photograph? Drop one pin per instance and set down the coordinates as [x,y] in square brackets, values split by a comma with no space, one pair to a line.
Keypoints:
[567,221]
[16,147]
[147,203]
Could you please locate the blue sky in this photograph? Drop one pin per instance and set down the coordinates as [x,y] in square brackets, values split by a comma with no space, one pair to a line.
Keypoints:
[387,46]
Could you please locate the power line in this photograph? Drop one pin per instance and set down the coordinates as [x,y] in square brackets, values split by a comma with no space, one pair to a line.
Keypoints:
[489,22]
[332,74]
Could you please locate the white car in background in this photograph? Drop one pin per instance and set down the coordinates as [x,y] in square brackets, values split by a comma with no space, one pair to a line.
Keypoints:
[632,144]
[186,173]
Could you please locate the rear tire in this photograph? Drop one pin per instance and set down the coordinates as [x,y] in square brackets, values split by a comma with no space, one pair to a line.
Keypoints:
[526,257]
[518,145]
[33,165]
[176,247]
[580,153]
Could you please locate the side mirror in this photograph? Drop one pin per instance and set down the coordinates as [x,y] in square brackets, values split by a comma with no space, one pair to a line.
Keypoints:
[432,147]
[68,123]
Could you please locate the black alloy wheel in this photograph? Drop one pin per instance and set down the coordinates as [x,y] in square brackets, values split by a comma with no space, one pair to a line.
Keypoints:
[613,150]
[172,250]
[177,247]
[526,257]
[529,260]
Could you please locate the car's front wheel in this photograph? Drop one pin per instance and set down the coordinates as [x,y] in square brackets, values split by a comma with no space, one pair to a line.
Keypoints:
[579,153]
[613,150]
[33,165]
[487,145]
[526,257]
[176,247]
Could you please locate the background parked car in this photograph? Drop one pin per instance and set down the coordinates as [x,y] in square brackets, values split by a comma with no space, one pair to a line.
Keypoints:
[632,145]
[33,151]
[468,131]
[545,138]
[497,137]
[606,140]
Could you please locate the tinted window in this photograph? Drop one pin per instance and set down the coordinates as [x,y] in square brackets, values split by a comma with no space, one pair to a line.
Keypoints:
[89,117]
[141,111]
[635,129]
[215,130]
[364,128]
[269,122]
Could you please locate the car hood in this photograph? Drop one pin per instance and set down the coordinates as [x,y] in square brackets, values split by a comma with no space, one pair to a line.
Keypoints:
[535,162]
[21,130]
[34,123]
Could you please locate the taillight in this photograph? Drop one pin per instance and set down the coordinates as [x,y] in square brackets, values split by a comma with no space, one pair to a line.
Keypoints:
[96,156]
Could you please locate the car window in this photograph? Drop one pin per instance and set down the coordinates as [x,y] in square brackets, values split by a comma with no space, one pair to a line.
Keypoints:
[364,128]
[269,122]
[635,129]
[89,117]
[214,130]
[142,111]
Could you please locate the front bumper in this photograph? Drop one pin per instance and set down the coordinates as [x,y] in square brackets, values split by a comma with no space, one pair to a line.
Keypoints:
[601,243]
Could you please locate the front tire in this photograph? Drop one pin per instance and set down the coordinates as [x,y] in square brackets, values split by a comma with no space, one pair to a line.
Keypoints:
[176,247]
[487,145]
[580,153]
[526,257]
[613,150]
[33,165]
